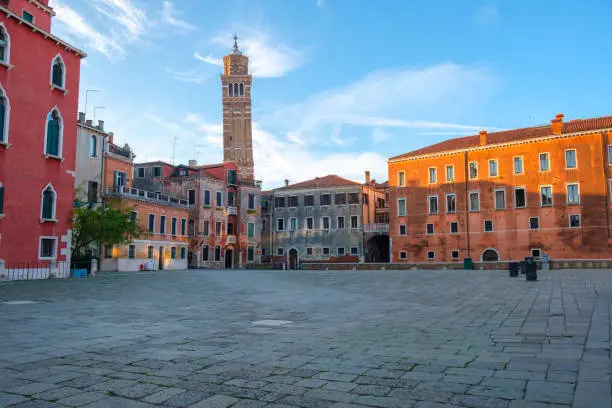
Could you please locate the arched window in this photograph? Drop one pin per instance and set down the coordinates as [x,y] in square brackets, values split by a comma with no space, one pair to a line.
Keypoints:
[490,255]
[58,72]
[53,134]
[241,89]
[47,208]
[93,146]
[236,90]
[5,44]
[230,89]
[5,110]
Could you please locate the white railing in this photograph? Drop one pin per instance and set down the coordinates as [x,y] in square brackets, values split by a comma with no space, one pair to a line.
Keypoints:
[376,227]
[123,191]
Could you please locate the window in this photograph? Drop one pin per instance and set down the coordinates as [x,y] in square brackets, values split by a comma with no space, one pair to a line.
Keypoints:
[354,251]
[27,17]
[354,222]
[173,226]
[140,172]
[340,199]
[431,255]
[58,73]
[430,229]
[403,255]
[401,179]
[402,229]
[534,223]
[133,216]
[151,222]
[183,252]
[308,200]
[309,251]
[191,194]
[4,110]
[132,251]
[157,171]
[535,253]
[325,222]
[230,89]
[1,199]
[219,199]
[325,199]
[433,177]
[433,204]
[217,253]
[450,174]
[54,133]
[544,162]
[241,89]
[353,198]
[206,198]
[574,220]
[218,228]
[493,168]
[454,254]
[340,222]
[206,228]
[280,224]
[5,44]
[280,251]
[401,207]
[108,251]
[546,196]
[92,191]
[263,225]
[454,227]
[451,203]
[251,230]
[500,199]
[279,202]
[162,224]
[570,159]
[309,223]
[573,195]
[230,228]
[474,201]
[150,252]
[293,224]
[232,177]
[610,154]
[473,170]
[250,254]
[48,203]
[488,225]
[93,146]
[520,199]
[205,253]
[173,252]
[292,202]
[48,248]
[325,251]
[251,201]
[119,178]
[183,226]
[518,165]
[341,251]
[236,90]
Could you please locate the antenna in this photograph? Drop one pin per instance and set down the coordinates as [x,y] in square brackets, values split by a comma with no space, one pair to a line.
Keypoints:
[173,148]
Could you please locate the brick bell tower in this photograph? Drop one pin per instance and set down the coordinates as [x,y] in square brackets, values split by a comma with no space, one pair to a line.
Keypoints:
[237,137]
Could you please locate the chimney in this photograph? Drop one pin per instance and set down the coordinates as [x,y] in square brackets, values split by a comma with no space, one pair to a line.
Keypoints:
[193,163]
[89,122]
[81,117]
[110,137]
[367,177]
[557,124]
[286,183]
[101,125]
[483,137]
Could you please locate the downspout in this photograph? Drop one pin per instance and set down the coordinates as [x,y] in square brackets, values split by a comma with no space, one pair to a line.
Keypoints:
[467,211]
[101,190]
[607,182]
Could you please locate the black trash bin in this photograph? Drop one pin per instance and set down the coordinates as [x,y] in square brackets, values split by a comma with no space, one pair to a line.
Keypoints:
[532,270]
[523,267]
[513,268]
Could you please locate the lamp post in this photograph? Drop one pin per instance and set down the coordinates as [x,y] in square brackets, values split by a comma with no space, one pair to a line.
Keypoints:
[87,91]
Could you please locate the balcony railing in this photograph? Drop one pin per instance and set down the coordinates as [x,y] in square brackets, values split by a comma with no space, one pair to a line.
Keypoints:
[376,227]
[231,210]
[129,192]
[251,183]
[230,239]
[120,151]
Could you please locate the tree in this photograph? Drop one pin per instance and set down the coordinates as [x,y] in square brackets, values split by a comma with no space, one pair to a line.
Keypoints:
[103,225]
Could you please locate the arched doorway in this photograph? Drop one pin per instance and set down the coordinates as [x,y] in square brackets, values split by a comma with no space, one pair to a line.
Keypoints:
[490,255]
[377,249]
[229,258]
[293,258]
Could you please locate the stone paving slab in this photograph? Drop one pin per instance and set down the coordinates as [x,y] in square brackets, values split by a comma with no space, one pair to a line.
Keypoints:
[409,339]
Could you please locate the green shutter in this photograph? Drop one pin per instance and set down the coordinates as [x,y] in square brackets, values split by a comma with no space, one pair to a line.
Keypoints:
[53,137]
[58,74]
[47,210]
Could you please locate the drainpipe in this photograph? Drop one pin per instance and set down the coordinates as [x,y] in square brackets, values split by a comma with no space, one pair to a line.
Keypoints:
[101,191]
[607,196]
[467,198]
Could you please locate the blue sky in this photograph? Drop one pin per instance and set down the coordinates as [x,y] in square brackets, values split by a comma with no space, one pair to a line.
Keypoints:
[339,85]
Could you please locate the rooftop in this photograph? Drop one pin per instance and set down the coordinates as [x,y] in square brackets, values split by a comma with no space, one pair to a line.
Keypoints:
[328,181]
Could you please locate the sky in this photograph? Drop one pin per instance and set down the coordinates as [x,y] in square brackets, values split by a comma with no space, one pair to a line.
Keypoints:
[339,85]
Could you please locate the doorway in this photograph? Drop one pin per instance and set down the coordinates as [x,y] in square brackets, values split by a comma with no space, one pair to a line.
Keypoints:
[293,258]
[229,257]
[161,258]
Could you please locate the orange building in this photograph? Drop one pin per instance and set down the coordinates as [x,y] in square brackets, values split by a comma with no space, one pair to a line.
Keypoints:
[506,195]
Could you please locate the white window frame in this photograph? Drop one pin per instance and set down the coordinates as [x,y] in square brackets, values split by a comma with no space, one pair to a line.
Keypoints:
[311,250]
[470,200]
[484,226]
[7,58]
[529,221]
[552,197]
[47,258]
[458,254]
[218,203]
[434,255]
[357,218]
[130,246]
[452,167]
[280,229]
[450,227]
[280,251]
[446,202]
[535,249]
[308,195]
[470,172]
[540,161]
[514,192]
[435,175]
[306,224]
[495,198]
[60,146]
[575,158]
[253,229]
[569,220]
[184,222]
[496,168]
[328,251]
[356,251]
[208,252]
[522,161]
[403,255]
[399,207]
[343,251]
[53,209]
[138,172]
[293,220]
[399,230]
[7,115]
[429,197]
[94,139]
[338,222]
[33,16]
[433,228]
[567,193]
[152,231]
[64,72]
[323,223]
[297,199]
[401,178]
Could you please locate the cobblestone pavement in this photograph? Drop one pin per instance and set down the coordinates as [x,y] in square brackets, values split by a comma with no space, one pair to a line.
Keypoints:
[419,339]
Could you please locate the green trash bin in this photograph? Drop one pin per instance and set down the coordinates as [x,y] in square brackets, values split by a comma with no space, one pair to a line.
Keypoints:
[468,264]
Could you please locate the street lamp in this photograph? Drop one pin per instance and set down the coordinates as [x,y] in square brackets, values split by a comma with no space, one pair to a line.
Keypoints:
[87,91]
[95,109]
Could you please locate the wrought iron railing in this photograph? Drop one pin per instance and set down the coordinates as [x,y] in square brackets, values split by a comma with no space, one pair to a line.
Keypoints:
[35,270]
[376,227]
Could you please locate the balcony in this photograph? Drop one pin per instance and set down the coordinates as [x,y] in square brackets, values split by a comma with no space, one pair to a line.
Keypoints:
[230,239]
[380,228]
[231,210]
[150,196]
[120,151]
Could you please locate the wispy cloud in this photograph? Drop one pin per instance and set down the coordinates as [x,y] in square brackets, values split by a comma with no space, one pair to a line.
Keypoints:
[380,135]
[487,15]
[133,19]
[209,58]
[172,17]
[195,76]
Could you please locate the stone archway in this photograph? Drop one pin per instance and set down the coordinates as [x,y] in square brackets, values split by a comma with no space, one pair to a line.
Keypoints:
[490,255]
[293,258]
[377,249]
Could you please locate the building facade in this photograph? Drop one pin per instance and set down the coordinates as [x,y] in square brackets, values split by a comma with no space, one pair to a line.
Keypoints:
[506,195]
[39,88]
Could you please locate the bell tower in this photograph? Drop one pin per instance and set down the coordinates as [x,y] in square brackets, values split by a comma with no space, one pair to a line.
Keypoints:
[236,93]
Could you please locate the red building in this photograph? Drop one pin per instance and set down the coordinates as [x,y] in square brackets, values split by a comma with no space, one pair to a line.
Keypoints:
[39,87]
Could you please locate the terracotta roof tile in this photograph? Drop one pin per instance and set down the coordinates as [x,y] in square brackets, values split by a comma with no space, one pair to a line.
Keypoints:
[466,142]
[328,181]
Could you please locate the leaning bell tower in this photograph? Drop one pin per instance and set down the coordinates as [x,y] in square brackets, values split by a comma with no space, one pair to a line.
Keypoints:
[237,136]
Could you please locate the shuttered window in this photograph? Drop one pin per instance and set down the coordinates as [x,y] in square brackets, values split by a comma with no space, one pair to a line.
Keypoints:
[58,73]
[47,204]
[53,134]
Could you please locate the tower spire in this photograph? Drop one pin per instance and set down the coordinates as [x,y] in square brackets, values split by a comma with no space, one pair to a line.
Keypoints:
[236,50]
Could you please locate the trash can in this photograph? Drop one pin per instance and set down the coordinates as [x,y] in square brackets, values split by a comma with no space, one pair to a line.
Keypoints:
[532,269]
[523,267]
[468,264]
[545,262]
[513,268]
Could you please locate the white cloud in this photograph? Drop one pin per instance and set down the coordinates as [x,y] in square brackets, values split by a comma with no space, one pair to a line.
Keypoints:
[133,19]
[487,15]
[196,76]
[380,135]
[172,17]
[209,58]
